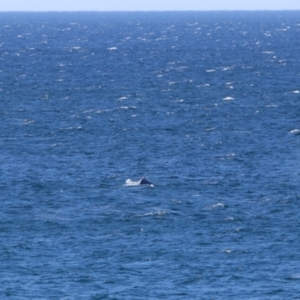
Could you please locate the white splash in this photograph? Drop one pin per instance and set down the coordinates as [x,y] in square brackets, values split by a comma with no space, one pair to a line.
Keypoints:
[130,182]
[122,98]
[228,98]
[295,131]
[227,250]
[218,205]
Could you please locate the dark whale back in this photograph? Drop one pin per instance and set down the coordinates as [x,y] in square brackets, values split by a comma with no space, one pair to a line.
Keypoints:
[144,180]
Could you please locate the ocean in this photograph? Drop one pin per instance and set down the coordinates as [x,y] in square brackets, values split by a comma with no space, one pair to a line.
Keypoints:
[206,105]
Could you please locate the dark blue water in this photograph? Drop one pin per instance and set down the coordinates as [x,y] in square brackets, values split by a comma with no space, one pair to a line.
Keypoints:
[206,105]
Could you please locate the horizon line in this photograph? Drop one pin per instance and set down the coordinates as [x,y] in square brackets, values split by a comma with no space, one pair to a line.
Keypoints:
[154,10]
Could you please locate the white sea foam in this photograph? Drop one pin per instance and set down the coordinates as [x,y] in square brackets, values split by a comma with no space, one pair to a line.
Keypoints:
[296,92]
[126,107]
[227,250]
[87,111]
[130,182]
[228,98]
[210,128]
[26,122]
[66,128]
[54,145]
[218,205]
[157,213]
[146,214]
[211,183]
[267,34]
[295,131]
[230,155]
[112,48]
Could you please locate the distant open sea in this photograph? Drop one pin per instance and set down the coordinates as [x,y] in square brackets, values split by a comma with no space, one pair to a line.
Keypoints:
[206,105]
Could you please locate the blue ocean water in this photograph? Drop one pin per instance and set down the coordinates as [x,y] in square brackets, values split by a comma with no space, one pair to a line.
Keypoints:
[205,104]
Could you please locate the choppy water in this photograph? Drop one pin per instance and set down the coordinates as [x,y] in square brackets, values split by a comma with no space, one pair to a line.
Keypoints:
[206,105]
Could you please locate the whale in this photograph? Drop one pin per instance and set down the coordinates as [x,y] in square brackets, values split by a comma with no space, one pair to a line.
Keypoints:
[145,181]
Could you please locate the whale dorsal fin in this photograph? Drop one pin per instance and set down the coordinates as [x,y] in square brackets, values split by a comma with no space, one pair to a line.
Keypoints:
[144,180]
